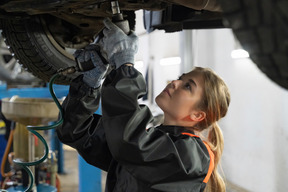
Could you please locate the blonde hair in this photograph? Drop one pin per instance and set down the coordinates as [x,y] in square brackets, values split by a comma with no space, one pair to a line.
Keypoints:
[215,102]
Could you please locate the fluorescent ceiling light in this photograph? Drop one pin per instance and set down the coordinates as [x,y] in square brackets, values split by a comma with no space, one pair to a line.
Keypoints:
[170,61]
[239,54]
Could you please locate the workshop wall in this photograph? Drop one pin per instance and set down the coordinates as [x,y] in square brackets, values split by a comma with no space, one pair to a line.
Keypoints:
[255,129]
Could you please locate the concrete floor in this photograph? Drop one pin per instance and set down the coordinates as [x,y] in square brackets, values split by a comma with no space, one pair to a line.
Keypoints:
[69,180]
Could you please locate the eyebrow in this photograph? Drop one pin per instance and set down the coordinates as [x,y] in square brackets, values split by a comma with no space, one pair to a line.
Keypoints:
[192,81]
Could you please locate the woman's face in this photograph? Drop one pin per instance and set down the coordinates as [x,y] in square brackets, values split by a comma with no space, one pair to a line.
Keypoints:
[180,97]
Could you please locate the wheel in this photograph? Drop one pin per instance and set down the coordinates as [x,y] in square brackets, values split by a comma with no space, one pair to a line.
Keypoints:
[10,70]
[261,26]
[36,49]
[44,44]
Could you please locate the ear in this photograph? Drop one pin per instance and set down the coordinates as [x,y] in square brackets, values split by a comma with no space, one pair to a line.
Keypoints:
[197,116]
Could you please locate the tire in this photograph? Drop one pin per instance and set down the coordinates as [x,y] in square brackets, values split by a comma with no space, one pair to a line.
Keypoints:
[10,70]
[36,50]
[261,26]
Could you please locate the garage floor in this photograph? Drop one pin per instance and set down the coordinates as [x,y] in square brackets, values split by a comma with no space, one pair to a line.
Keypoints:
[69,181]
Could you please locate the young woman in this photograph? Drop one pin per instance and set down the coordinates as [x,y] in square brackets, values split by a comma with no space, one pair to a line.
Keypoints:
[171,157]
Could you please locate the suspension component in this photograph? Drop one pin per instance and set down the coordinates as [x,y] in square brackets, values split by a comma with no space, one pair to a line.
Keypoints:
[117,19]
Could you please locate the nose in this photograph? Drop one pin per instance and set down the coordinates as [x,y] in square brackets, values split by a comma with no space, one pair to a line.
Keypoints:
[175,83]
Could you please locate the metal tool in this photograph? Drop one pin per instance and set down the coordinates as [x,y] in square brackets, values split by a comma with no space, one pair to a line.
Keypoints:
[117,19]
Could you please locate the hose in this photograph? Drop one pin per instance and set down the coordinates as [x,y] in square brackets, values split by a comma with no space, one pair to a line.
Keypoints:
[34,129]
[7,149]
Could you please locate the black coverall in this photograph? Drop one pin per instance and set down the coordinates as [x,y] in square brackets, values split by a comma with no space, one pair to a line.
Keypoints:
[163,158]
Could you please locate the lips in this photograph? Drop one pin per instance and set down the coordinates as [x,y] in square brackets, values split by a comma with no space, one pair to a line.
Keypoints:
[167,91]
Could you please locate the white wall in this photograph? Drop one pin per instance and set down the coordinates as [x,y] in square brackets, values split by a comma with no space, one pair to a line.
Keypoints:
[256,127]
[152,48]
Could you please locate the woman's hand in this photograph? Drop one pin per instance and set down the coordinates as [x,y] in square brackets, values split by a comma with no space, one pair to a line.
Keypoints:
[92,77]
[118,47]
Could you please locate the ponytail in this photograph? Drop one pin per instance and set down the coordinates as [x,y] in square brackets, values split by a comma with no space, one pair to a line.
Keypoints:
[216,143]
[215,102]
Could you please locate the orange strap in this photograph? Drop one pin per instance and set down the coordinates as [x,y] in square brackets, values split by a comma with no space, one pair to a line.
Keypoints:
[211,154]
[190,134]
[211,164]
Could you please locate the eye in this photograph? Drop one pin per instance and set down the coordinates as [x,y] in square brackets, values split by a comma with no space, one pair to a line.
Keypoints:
[187,86]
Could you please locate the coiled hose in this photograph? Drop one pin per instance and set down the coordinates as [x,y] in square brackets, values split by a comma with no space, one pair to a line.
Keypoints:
[34,129]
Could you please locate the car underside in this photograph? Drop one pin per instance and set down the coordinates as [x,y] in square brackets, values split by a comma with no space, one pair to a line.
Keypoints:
[43,34]
[73,24]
